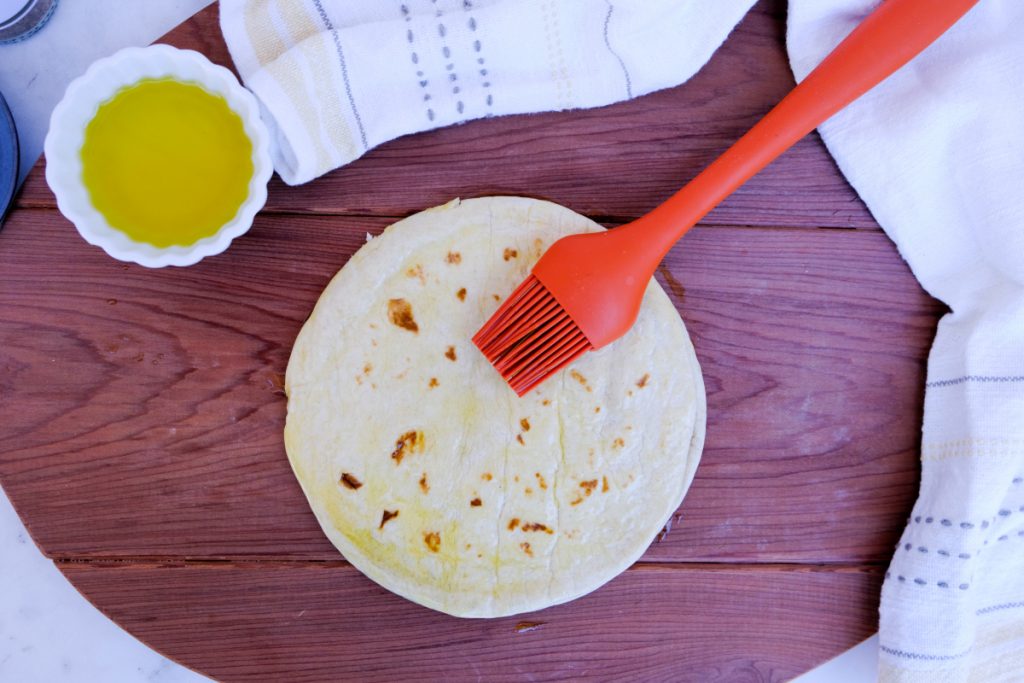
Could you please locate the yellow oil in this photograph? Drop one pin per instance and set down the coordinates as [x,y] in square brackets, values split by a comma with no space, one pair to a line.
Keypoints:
[166,162]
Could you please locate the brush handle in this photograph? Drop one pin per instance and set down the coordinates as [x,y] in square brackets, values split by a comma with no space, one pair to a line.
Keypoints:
[890,37]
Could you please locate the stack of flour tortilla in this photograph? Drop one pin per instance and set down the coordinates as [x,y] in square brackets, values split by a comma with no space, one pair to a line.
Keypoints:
[430,475]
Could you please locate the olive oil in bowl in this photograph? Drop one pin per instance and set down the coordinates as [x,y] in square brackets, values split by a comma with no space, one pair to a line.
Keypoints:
[166,162]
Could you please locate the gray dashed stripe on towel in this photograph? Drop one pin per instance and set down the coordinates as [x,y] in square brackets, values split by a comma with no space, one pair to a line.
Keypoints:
[922,582]
[410,36]
[485,80]
[974,379]
[344,70]
[997,608]
[446,52]
[929,658]
[608,44]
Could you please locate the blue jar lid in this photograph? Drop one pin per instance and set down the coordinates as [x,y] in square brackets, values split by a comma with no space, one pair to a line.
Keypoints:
[8,159]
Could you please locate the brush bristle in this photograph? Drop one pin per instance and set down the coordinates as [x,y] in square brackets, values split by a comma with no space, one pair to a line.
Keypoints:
[530,337]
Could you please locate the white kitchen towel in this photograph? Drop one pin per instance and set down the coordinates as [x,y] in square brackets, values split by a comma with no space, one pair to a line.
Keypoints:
[937,153]
[338,77]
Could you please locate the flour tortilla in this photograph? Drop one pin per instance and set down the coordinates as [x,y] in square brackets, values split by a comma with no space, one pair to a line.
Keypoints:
[504,504]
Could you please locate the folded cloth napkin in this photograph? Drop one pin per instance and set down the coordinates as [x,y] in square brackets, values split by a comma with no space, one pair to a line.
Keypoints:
[937,153]
[338,77]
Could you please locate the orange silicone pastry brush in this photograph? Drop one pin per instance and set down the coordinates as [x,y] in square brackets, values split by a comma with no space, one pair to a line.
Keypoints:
[585,291]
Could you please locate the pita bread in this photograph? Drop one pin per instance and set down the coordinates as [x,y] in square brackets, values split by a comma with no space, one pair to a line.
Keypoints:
[429,474]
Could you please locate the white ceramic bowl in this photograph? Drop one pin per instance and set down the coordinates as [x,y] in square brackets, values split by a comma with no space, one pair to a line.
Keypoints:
[80,104]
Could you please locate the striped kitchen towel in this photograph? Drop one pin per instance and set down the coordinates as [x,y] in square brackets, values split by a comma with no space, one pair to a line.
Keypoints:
[937,153]
[338,77]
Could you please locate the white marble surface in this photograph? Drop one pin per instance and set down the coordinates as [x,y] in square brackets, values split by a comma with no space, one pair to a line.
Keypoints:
[48,632]
[859,664]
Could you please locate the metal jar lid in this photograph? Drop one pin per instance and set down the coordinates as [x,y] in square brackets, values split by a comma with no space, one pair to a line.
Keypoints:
[25,21]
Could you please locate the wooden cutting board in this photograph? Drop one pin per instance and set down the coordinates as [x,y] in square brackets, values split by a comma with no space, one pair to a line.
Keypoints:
[142,410]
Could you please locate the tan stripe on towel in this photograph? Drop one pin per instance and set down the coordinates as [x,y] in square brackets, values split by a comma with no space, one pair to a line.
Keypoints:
[301,24]
[997,655]
[556,55]
[972,448]
[328,86]
[288,75]
[302,29]
[266,44]
[998,648]
[949,673]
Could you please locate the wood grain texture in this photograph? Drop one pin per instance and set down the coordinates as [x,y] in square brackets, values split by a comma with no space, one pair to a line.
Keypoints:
[617,162]
[325,622]
[156,394]
[141,411]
